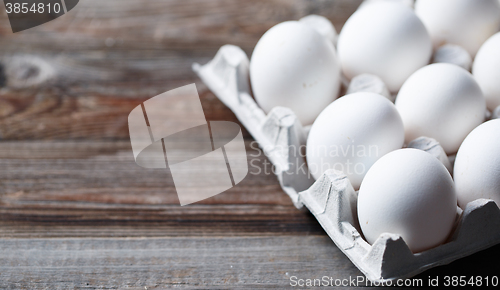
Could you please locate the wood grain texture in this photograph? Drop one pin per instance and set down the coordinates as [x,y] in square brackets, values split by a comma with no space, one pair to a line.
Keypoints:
[76,212]
[91,188]
[83,215]
[53,113]
[80,75]
[222,263]
[194,263]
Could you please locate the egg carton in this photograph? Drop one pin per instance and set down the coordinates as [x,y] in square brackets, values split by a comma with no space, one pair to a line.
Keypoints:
[331,198]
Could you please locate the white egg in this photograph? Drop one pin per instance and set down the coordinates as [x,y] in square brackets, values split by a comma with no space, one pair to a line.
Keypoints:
[352,133]
[441,101]
[477,165]
[386,39]
[409,3]
[294,66]
[467,23]
[322,25]
[486,70]
[408,192]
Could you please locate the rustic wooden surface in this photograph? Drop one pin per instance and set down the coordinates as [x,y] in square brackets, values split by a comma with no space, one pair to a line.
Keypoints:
[75,210]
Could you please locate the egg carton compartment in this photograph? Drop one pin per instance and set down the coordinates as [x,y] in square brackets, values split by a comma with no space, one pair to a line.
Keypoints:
[331,198]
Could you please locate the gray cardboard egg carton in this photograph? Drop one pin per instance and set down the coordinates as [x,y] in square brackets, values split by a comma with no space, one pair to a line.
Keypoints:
[332,199]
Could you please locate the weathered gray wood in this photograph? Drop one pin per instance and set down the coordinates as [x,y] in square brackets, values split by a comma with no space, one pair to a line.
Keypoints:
[197,263]
[166,262]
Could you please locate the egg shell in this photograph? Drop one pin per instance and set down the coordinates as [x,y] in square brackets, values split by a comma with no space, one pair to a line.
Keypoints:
[441,101]
[410,193]
[467,23]
[477,165]
[486,70]
[294,66]
[409,3]
[386,39]
[352,133]
[322,25]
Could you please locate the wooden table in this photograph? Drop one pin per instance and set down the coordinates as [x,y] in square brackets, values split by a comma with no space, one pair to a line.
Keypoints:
[77,212]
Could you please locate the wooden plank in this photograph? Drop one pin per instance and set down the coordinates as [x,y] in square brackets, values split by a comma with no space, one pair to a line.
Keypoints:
[55,114]
[94,188]
[77,191]
[196,263]
[195,221]
[105,172]
[80,75]
[157,24]
[216,262]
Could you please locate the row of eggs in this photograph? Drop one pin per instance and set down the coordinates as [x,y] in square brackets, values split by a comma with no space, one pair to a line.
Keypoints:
[406,191]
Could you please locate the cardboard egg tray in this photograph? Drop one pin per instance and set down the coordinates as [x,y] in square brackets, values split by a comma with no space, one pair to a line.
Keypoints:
[331,198]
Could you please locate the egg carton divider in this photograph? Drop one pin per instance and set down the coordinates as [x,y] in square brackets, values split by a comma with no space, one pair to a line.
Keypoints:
[331,198]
